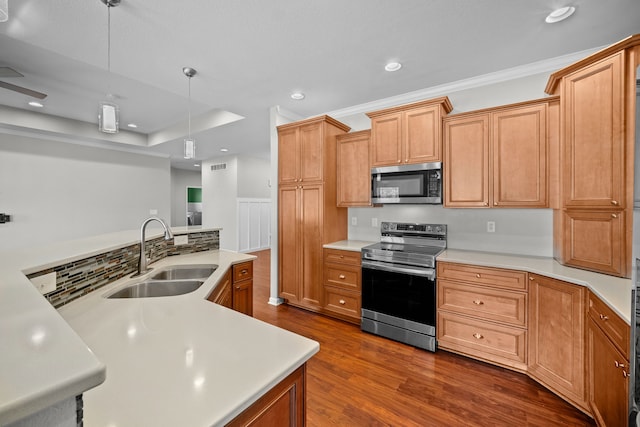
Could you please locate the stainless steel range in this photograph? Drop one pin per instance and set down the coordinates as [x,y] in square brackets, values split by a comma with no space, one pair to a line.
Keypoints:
[399,283]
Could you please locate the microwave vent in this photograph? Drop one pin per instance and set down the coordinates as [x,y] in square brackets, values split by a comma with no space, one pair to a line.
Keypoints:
[218,167]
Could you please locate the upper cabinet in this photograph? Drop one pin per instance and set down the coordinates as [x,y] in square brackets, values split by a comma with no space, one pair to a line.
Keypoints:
[353,170]
[594,219]
[301,152]
[408,133]
[498,157]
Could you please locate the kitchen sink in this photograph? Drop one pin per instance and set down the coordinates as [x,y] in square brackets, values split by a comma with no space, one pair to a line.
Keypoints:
[157,288]
[187,271]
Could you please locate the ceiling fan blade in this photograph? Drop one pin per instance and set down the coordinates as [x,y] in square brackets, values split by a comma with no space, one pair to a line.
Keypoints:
[9,72]
[23,90]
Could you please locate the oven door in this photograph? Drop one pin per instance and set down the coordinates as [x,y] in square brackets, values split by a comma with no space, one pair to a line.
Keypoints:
[403,292]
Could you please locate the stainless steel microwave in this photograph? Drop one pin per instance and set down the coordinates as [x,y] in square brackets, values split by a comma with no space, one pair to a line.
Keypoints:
[418,183]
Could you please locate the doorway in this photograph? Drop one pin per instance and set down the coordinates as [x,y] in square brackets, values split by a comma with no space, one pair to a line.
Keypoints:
[194,206]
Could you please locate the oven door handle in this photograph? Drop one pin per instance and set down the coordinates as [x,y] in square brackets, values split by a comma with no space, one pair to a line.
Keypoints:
[429,273]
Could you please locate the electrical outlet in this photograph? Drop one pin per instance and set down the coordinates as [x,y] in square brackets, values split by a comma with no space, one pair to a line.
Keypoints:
[45,283]
[374,222]
[354,220]
[181,240]
[491,226]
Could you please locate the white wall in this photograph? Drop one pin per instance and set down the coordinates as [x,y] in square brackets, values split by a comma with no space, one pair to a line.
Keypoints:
[180,180]
[59,191]
[243,177]
[522,231]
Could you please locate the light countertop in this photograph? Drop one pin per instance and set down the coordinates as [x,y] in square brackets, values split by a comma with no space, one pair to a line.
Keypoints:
[348,245]
[46,358]
[180,360]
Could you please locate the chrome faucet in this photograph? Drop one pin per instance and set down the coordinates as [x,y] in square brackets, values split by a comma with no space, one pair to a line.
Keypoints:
[142,264]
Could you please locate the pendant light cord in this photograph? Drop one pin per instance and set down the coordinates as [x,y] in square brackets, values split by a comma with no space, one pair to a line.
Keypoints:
[189,107]
[109,95]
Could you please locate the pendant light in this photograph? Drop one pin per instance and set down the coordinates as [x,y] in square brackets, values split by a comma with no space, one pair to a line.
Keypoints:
[4,10]
[108,113]
[189,143]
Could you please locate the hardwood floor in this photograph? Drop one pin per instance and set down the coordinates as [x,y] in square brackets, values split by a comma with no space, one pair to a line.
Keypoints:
[359,379]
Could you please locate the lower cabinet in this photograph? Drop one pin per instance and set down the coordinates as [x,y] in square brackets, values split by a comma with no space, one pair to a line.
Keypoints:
[235,290]
[482,312]
[608,364]
[283,405]
[342,284]
[558,333]
[557,315]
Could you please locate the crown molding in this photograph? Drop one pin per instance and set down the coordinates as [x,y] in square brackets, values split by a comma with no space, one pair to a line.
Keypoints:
[539,67]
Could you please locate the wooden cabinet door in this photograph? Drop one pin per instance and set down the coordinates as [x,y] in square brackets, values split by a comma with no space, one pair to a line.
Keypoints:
[310,244]
[557,337]
[421,134]
[288,156]
[222,293]
[519,145]
[386,140]
[353,169]
[608,380]
[594,240]
[593,146]
[466,161]
[288,259]
[243,297]
[311,152]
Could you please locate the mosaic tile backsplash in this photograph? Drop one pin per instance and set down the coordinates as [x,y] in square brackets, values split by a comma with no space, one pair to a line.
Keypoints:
[83,276]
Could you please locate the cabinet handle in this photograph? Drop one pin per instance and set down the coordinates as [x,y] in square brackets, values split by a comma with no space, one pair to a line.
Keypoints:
[495,203]
[343,302]
[614,202]
[619,365]
[614,216]
[341,276]
[531,278]
[399,161]
[244,271]
[478,336]
[603,317]
[486,203]
[625,374]
[341,256]
[478,275]
[478,302]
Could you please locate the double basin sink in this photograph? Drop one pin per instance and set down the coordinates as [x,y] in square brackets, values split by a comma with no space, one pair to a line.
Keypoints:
[170,281]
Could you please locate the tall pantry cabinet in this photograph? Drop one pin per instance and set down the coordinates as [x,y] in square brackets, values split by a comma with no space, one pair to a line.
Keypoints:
[308,216]
[593,224]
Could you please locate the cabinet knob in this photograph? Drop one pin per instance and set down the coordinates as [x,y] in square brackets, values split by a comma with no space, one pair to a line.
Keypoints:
[531,278]
[341,276]
[614,216]
[625,374]
[343,302]
[478,275]
[614,202]
[604,317]
[478,302]
[495,203]
[478,336]
[618,364]
[244,271]
[399,161]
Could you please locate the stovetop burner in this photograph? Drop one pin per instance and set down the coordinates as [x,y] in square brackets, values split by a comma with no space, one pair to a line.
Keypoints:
[408,243]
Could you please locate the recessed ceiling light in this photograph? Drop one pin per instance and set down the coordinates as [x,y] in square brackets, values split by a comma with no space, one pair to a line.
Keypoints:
[297,96]
[224,150]
[393,66]
[132,125]
[197,165]
[560,14]
[36,104]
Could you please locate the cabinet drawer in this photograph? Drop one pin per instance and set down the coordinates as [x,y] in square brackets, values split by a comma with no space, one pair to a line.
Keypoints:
[496,277]
[342,257]
[342,302]
[486,303]
[611,324]
[343,276]
[485,340]
[243,271]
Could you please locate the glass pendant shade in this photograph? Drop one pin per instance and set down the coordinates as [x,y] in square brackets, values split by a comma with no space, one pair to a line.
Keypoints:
[108,117]
[4,10]
[189,148]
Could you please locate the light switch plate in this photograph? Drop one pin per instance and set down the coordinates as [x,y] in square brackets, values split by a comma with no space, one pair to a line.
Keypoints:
[45,283]
[180,240]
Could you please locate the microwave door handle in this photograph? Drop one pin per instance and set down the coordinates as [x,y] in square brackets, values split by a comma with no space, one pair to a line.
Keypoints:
[415,271]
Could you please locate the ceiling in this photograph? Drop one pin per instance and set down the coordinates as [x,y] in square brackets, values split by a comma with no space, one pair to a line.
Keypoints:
[252,54]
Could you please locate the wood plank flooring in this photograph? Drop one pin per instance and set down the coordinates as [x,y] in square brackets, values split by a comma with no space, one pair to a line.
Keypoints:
[359,379]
